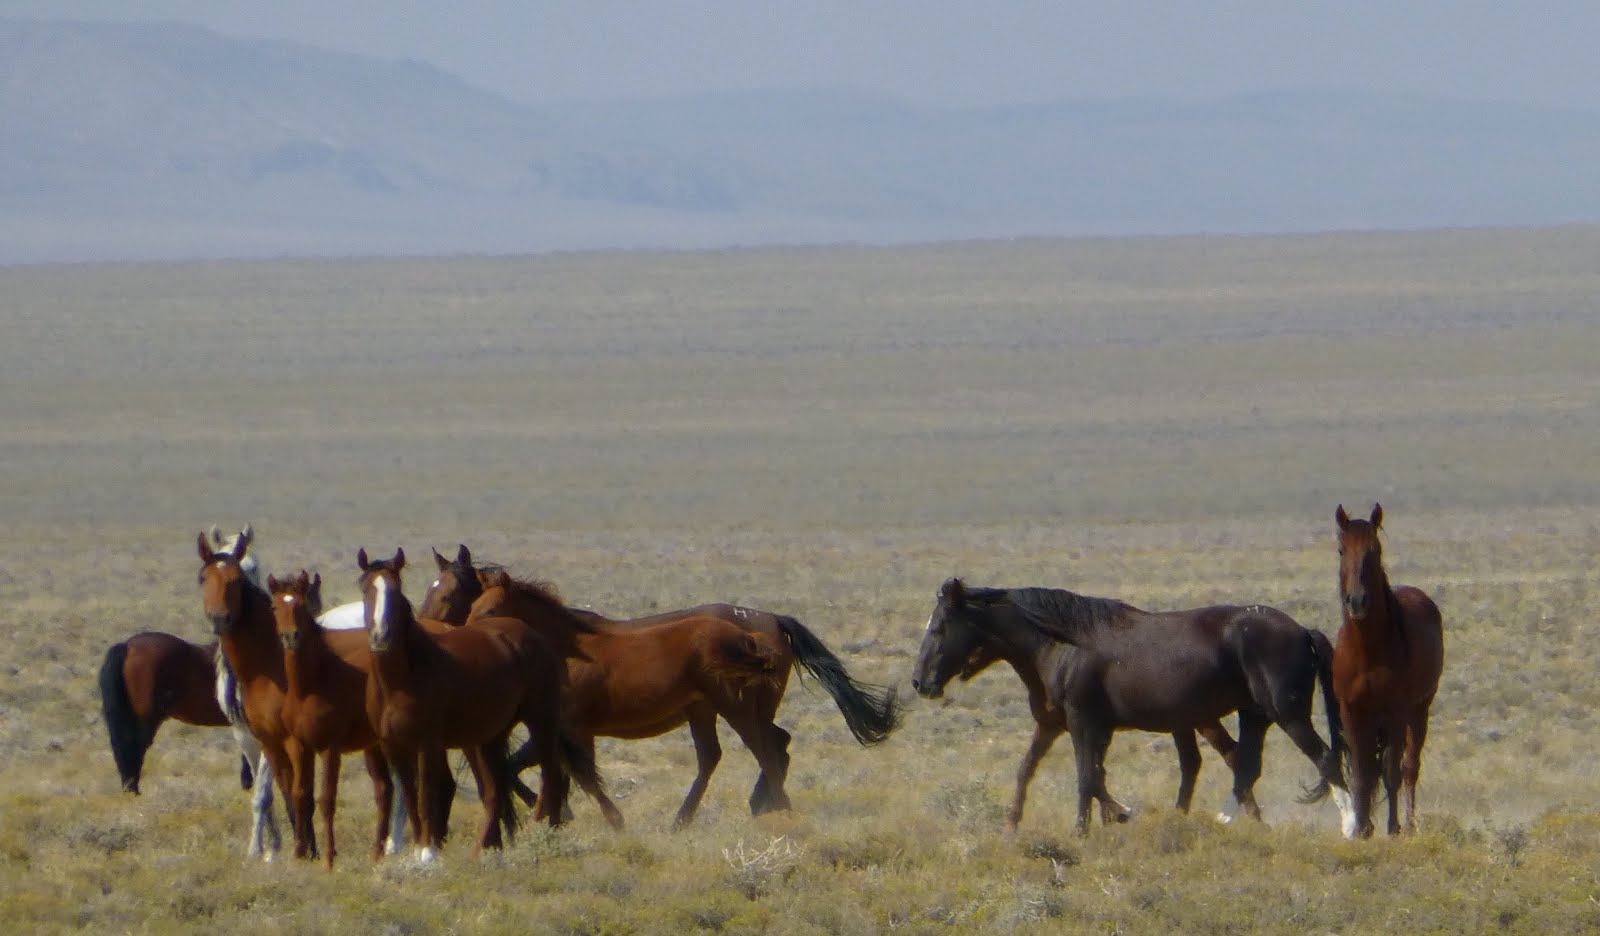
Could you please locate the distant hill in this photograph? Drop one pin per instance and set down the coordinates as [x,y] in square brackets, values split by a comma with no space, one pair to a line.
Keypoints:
[154,140]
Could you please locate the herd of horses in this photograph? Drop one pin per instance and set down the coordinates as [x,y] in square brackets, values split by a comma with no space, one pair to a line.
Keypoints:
[486,652]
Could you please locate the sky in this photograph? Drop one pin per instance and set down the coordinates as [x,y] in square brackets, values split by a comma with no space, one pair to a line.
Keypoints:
[936,51]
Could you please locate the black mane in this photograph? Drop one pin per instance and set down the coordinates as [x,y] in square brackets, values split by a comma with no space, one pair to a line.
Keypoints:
[1057,613]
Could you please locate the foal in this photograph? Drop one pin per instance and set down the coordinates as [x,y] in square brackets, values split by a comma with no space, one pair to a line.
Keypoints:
[324,712]
[1386,671]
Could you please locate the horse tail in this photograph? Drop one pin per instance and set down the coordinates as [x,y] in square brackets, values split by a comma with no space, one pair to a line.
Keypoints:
[1331,767]
[129,735]
[578,760]
[872,712]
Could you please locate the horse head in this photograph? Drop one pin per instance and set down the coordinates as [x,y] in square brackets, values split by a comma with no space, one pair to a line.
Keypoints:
[451,595]
[223,578]
[1360,560]
[955,642]
[294,604]
[381,595]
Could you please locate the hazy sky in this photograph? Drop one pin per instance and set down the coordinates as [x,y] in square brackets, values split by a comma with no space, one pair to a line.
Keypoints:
[937,51]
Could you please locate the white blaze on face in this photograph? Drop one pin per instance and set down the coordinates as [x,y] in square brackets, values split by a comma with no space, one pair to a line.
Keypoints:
[1347,812]
[288,600]
[380,607]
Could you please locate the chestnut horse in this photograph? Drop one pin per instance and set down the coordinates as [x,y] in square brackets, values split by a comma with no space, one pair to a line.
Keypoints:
[241,614]
[954,657]
[462,687]
[1108,665]
[643,678]
[1386,671]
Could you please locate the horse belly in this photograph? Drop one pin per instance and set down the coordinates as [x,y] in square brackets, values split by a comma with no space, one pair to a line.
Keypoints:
[1149,701]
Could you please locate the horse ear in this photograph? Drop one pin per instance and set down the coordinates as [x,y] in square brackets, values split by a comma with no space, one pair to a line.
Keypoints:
[399,558]
[463,554]
[303,580]
[272,583]
[245,536]
[1341,517]
[953,592]
[206,554]
[439,560]
[1377,515]
[316,584]
[361,559]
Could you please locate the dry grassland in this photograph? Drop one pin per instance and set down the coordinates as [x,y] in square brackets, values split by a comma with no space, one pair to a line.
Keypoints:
[828,433]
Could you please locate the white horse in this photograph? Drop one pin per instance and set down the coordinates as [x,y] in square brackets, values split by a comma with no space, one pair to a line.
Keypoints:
[264,838]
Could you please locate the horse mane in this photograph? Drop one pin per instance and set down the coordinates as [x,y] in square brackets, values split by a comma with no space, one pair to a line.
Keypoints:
[543,593]
[1057,613]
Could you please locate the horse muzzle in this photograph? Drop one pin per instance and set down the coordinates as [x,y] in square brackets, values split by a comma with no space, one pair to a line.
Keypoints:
[928,690]
[1355,606]
[221,622]
[290,640]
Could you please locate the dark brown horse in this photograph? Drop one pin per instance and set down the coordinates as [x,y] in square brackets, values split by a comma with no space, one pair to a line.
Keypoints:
[1050,723]
[1386,671]
[149,678]
[241,613]
[1106,665]
[645,677]
[463,687]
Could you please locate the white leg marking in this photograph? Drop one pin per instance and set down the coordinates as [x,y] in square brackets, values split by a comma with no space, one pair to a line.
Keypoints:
[1347,812]
[427,855]
[1230,810]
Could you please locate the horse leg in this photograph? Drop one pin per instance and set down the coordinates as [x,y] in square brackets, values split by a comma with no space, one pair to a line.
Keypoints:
[1394,744]
[595,790]
[303,772]
[328,801]
[757,734]
[489,794]
[1188,766]
[264,838]
[431,836]
[1044,735]
[1411,764]
[1362,741]
[1247,766]
[1090,741]
[403,763]
[707,754]
[768,780]
[383,796]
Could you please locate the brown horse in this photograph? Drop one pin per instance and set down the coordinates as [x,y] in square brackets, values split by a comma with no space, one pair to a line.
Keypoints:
[643,678]
[1108,665]
[149,678]
[1386,671]
[461,687]
[1050,722]
[242,616]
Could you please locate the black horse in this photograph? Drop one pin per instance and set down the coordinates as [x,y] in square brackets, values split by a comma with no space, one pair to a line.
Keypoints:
[1093,665]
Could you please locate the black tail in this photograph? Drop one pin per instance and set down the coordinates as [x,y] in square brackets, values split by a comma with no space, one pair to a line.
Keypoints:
[1332,766]
[870,711]
[129,736]
[575,760]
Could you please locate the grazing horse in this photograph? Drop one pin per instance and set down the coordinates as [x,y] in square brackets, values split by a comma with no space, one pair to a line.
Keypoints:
[1107,665]
[241,614]
[460,687]
[936,667]
[1386,671]
[643,678]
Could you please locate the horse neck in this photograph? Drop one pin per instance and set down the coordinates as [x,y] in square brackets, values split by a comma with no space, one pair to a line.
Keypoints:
[251,646]
[302,664]
[551,621]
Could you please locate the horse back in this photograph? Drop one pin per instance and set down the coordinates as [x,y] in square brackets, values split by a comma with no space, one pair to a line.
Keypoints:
[172,677]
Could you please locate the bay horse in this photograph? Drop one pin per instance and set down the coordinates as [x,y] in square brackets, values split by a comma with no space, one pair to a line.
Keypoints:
[149,678]
[241,614]
[462,687]
[1386,671]
[1104,665]
[645,677]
